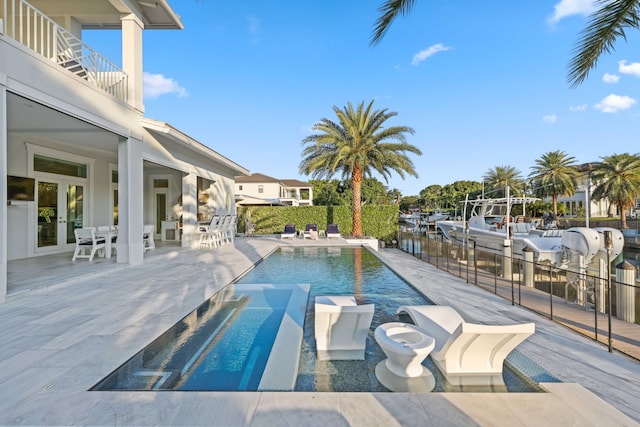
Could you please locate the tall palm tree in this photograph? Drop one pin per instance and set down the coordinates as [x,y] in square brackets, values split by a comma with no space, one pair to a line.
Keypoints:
[554,174]
[605,25]
[617,179]
[497,179]
[356,145]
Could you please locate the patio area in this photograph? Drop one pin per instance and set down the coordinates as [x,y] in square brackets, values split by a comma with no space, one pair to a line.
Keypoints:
[67,325]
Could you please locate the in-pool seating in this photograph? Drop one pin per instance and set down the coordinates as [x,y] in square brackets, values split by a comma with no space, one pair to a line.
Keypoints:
[466,348]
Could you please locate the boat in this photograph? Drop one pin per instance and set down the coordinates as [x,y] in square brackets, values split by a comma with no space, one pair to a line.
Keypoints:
[492,228]
[422,220]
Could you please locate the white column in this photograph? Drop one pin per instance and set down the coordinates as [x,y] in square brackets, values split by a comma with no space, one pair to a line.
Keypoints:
[130,202]
[3,188]
[132,59]
[189,210]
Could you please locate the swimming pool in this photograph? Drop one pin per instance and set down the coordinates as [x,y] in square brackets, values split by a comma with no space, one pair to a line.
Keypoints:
[327,271]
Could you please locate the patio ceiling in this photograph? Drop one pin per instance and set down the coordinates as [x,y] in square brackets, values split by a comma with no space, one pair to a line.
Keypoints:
[30,118]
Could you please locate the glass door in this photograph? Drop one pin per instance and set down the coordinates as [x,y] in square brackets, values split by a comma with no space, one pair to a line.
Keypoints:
[60,211]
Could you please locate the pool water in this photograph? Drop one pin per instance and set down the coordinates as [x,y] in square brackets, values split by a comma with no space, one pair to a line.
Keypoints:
[353,271]
[226,344]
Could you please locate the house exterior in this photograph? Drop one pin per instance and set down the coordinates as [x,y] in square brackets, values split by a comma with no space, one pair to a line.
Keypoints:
[576,204]
[258,189]
[73,133]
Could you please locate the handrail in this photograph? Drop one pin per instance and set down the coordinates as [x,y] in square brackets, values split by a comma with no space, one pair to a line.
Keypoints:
[28,26]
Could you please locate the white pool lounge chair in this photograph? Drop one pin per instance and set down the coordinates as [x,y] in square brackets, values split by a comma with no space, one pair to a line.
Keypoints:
[332,231]
[466,348]
[289,232]
[341,327]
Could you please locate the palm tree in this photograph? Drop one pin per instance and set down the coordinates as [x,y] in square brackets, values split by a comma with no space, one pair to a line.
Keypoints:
[356,145]
[554,175]
[617,179]
[605,25]
[497,179]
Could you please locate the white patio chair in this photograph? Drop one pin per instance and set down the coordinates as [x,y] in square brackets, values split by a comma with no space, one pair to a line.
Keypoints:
[231,229]
[86,240]
[208,233]
[341,327]
[147,237]
[466,348]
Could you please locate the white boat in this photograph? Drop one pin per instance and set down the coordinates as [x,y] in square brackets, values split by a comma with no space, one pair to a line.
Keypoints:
[420,219]
[492,228]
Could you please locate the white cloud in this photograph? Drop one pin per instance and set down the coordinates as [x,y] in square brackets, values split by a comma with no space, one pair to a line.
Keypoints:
[581,107]
[551,118]
[430,51]
[633,68]
[614,103]
[254,24]
[610,78]
[571,7]
[156,85]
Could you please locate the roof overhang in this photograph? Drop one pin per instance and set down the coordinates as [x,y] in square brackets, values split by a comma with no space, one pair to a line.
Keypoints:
[167,131]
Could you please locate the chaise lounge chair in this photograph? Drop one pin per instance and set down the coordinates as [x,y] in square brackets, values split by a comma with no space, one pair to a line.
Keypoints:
[332,231]
[311,232]
[466,348]
[341,327]
[289,232]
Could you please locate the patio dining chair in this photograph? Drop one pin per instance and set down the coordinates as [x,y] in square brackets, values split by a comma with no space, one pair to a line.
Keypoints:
[147,237]
[86,240]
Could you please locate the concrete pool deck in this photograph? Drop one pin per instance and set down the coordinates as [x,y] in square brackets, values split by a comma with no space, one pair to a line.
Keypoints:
[71,325]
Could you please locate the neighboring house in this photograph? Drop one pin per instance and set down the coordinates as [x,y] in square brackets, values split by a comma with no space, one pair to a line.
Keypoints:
[73,133]
[576,204]
[258,189]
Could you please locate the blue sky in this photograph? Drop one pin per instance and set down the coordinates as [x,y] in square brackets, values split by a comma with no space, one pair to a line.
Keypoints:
[483,84]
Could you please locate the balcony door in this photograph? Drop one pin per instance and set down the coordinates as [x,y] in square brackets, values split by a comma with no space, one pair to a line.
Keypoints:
[61,209]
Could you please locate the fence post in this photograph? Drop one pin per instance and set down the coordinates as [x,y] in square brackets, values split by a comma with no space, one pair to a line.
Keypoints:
[506,259]
[626,292]
[550,293]
[475,263]
[527,253]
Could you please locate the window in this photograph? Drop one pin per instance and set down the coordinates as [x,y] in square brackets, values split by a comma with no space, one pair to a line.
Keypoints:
[240,187]
[160,183]
[260,188]
[60,167]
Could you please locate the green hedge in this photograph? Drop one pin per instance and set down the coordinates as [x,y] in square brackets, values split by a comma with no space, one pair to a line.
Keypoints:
[380,222]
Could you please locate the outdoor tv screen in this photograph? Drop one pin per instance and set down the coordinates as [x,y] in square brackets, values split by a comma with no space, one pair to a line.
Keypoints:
[20,188]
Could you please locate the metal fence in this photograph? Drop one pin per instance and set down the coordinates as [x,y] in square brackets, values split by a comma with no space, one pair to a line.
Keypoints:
[601,308]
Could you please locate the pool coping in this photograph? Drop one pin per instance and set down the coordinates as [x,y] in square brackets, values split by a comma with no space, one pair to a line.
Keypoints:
[281,371]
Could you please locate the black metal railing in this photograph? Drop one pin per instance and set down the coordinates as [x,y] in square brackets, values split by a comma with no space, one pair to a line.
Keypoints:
[602,308]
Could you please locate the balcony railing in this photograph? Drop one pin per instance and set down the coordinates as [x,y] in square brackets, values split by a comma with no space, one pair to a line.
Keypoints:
[28,26]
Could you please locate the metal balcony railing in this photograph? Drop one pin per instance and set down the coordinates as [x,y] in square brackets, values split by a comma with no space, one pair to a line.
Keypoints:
[28,26]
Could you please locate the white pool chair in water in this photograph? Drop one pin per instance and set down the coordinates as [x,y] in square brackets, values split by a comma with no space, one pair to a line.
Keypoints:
[466,348]
[341,327]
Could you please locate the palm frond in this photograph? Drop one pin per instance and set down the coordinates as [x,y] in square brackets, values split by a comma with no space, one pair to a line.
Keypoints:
[390,9]
[606,25]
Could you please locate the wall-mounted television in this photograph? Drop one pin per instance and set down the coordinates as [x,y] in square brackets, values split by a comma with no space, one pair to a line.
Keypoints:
[20,188]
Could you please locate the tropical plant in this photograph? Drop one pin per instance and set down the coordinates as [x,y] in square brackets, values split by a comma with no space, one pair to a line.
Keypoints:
[554,175]
[617,179]
[605,25]
[496,181]
[357,145]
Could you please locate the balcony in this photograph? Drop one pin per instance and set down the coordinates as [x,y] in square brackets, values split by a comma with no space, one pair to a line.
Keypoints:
[31,28]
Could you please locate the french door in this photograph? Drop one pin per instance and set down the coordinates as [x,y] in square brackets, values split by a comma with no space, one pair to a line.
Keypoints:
[61,209]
